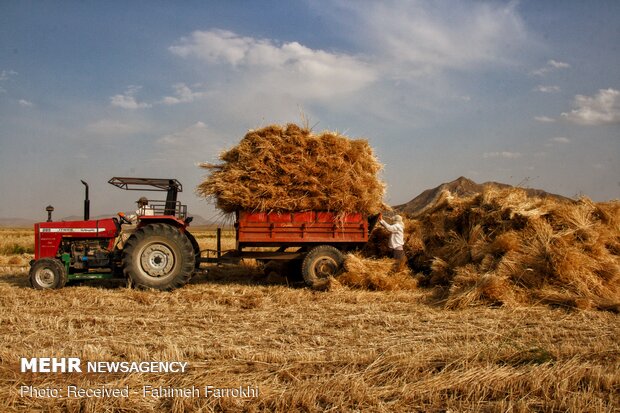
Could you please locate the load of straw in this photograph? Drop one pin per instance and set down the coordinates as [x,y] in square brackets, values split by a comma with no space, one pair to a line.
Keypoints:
[288,168]
[375,275]
[503,247]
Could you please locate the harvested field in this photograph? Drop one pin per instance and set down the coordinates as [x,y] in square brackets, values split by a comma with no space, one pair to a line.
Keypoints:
[288,168]
[469,328]
[16,241]
[308,351]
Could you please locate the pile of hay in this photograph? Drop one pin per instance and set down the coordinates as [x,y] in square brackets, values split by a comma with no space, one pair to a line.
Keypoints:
[375,274]
[503,247]
[288,168]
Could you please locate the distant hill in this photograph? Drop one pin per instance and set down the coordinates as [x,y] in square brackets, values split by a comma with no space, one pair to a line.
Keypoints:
[81,217]
[16,222]
[28,223]
[461,187]
[198,220]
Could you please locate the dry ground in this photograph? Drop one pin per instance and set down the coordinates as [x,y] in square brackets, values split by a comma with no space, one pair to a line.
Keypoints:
[307,350]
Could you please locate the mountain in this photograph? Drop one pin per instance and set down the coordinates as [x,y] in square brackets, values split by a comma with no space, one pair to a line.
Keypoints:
[461,187]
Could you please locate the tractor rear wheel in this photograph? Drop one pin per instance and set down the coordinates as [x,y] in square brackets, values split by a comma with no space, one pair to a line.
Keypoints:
[47,273]
[158,256]
[321,263]
[196,247]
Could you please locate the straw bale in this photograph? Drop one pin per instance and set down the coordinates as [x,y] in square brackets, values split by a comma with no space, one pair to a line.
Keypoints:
[539,249]
[288,168]
[327,284]
[375,274]
[470,287]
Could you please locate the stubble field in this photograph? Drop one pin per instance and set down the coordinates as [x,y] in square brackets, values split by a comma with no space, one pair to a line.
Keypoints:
[305,350]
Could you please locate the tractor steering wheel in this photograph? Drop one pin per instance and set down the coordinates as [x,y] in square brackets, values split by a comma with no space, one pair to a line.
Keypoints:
[124,218]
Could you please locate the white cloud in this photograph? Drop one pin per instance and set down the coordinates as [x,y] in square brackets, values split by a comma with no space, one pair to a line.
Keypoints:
[558,65]
[220,45]
[544,119]
[4,76]
[183,94]
[195,143]
[404,49]
[7,74]
[128,100]
[424,37]
[404,57]
[560,139]
[503,154]
[111,128]
[603,108]
[547,89]
[178,139]
[25,103]
[550,66]
[289,68]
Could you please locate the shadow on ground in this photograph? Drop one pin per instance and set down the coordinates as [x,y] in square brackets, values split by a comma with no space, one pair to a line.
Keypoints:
[226,274]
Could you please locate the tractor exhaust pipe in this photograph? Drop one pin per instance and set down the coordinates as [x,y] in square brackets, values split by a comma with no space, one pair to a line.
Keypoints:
[86,203]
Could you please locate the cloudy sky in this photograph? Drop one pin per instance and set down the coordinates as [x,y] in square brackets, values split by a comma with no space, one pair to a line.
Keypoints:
[522,92]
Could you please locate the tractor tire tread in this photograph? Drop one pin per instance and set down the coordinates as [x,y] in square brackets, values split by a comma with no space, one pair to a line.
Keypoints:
[170,233]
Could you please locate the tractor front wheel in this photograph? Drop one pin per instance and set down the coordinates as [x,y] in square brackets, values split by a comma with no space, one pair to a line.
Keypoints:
[47,273]
[158,256]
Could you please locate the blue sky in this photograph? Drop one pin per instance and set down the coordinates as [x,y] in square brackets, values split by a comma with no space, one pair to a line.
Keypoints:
[518,92]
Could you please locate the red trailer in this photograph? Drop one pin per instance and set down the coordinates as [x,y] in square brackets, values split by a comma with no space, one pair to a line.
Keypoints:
[263,229]
[315,239]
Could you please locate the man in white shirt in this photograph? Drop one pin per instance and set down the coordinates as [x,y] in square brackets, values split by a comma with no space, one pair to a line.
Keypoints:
[397,240]
[144,208]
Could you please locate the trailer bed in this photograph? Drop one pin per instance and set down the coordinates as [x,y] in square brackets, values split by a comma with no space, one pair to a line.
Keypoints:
[263,229]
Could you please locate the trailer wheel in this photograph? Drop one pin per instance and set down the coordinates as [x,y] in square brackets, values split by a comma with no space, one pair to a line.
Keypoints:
[158,256]
[47,273]
[321,263]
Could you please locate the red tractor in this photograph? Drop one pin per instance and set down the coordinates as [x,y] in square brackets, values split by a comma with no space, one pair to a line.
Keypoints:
[154,250]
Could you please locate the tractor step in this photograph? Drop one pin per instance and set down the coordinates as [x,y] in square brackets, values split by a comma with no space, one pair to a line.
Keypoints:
[91,276]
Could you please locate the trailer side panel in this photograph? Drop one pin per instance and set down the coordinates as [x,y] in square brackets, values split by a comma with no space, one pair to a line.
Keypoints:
[298,228]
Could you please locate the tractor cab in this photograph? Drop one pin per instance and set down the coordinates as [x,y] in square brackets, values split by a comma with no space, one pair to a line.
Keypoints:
[170,209]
